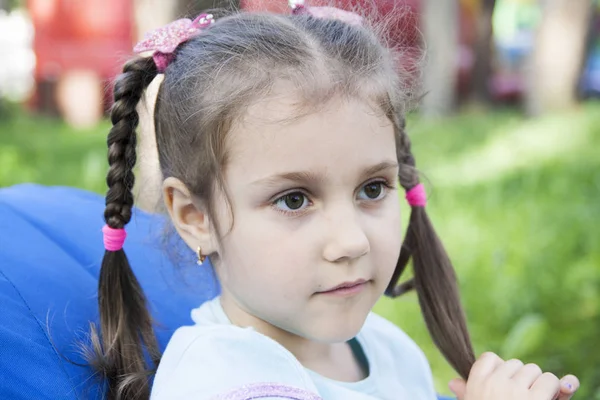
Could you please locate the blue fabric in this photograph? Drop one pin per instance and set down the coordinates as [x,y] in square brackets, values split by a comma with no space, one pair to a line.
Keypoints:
[50,254]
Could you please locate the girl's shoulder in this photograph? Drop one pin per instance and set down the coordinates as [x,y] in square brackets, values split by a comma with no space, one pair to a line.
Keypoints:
[202,362]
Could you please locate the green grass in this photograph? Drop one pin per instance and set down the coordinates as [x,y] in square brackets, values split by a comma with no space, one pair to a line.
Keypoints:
[47,151]
[516,201]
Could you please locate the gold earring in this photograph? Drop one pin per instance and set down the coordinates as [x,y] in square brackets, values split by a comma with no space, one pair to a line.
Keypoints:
[201,257]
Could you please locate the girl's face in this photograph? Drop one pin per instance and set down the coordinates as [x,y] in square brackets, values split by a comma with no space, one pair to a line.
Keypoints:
[314,205]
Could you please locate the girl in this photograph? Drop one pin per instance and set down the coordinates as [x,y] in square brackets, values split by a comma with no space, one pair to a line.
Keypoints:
[281,142]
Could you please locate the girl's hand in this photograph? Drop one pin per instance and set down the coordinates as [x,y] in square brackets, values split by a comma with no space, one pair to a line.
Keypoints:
[492,378]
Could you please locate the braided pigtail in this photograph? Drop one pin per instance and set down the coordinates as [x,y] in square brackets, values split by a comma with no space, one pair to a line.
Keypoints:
[125,322]
[434,277]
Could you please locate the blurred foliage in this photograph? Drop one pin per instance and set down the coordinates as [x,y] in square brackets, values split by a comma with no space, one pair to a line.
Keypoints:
[11,4]
[45,150]
[516,202]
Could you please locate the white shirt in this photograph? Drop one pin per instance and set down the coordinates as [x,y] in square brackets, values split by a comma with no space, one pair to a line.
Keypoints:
[213,358]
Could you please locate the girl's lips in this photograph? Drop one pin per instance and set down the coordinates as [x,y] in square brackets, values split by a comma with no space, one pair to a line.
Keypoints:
[346,288]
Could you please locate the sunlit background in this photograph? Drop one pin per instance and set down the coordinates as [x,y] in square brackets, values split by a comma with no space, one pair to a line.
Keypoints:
[507,138]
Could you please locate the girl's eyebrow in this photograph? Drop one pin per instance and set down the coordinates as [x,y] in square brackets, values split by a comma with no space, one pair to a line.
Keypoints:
[381,167]
[311,178]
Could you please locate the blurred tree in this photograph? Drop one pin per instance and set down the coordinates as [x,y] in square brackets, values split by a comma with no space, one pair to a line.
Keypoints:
[482,68]
[150,14]
[558,55]
[8,5]
[154,13]
[440,23]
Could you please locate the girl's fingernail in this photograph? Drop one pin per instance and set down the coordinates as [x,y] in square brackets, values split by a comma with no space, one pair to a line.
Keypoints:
[568,386]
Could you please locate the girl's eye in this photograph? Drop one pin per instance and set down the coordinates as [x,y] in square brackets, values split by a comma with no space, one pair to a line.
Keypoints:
[292,201]
[372,191]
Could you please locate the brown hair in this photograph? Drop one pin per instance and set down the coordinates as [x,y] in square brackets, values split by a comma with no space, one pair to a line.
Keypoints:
[213,79]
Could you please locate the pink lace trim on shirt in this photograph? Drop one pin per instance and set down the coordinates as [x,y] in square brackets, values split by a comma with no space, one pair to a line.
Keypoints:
[260,390]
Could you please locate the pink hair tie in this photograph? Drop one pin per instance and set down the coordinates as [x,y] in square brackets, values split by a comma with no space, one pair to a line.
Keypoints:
[113,238]
[163,42]
[416,196]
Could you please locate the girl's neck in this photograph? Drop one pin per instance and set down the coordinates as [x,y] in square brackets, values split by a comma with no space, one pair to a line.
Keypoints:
[331,360]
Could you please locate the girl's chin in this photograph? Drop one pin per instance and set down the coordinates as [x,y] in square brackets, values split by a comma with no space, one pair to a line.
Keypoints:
[336,331]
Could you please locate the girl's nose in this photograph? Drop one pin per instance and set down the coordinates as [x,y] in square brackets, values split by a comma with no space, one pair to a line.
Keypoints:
[347,240]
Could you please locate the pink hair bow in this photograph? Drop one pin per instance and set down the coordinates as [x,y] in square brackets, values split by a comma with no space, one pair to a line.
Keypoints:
[163,41]
[348,17]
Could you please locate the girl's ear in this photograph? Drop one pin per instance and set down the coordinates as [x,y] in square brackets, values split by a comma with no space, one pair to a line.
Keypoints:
[190,218]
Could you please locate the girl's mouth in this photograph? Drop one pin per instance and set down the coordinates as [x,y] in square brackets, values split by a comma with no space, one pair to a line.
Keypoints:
[346,288]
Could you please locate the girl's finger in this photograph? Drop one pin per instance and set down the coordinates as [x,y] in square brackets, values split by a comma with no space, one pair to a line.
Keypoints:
[545,387]
[568,386]
[484,366]
[509,368]
[459,387]
[481,371]
[527,375]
